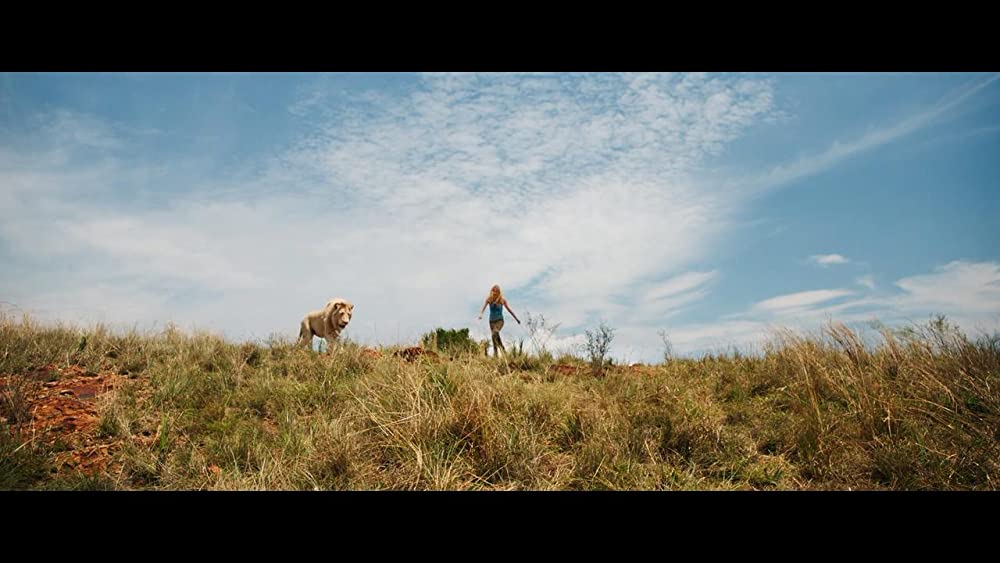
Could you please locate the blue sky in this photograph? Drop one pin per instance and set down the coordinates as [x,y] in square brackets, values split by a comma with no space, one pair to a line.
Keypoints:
[716,207]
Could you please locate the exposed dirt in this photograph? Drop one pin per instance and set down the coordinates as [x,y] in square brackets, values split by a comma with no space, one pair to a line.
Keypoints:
[371,353]
[565,369]
[414,353]
[62,403]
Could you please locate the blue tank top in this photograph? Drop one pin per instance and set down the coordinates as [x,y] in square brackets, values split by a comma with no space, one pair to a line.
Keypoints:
[496,312]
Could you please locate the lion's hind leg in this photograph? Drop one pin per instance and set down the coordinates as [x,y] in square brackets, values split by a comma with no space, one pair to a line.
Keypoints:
[305,333]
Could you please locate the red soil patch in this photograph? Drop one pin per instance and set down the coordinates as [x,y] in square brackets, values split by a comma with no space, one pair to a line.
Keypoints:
[65,410]
[565,369]
[371,353]
[415,352]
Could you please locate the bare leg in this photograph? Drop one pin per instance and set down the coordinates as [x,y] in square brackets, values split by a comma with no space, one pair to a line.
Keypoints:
[495,327]
[497,345]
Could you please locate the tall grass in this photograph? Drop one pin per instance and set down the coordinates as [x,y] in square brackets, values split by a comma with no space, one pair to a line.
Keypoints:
[918,409]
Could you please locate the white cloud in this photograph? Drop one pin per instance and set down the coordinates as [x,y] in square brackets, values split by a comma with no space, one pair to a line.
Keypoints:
[828,259]
[719,336]
[97,302]
[839,151]
[968,293]
[801,299]
[80,130]
[866,281]
[678,284]
[959,287]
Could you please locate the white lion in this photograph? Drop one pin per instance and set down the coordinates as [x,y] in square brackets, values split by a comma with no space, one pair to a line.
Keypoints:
[326,323]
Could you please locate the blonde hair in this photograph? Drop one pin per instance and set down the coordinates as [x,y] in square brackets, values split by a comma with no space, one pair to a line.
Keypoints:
[495,290]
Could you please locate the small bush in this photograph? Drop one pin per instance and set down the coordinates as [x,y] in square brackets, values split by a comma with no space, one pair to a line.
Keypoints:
[597,346]
[451,342]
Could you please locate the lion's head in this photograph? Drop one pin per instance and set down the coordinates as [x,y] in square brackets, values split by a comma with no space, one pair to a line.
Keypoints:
[340,314]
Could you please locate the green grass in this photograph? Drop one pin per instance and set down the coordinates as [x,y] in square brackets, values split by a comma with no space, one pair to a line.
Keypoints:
[918,410]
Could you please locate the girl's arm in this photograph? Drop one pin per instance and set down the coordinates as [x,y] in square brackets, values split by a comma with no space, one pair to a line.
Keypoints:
[505,304]
[484,308]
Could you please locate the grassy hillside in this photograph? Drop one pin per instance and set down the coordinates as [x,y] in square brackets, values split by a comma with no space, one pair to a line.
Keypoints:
[91,408]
